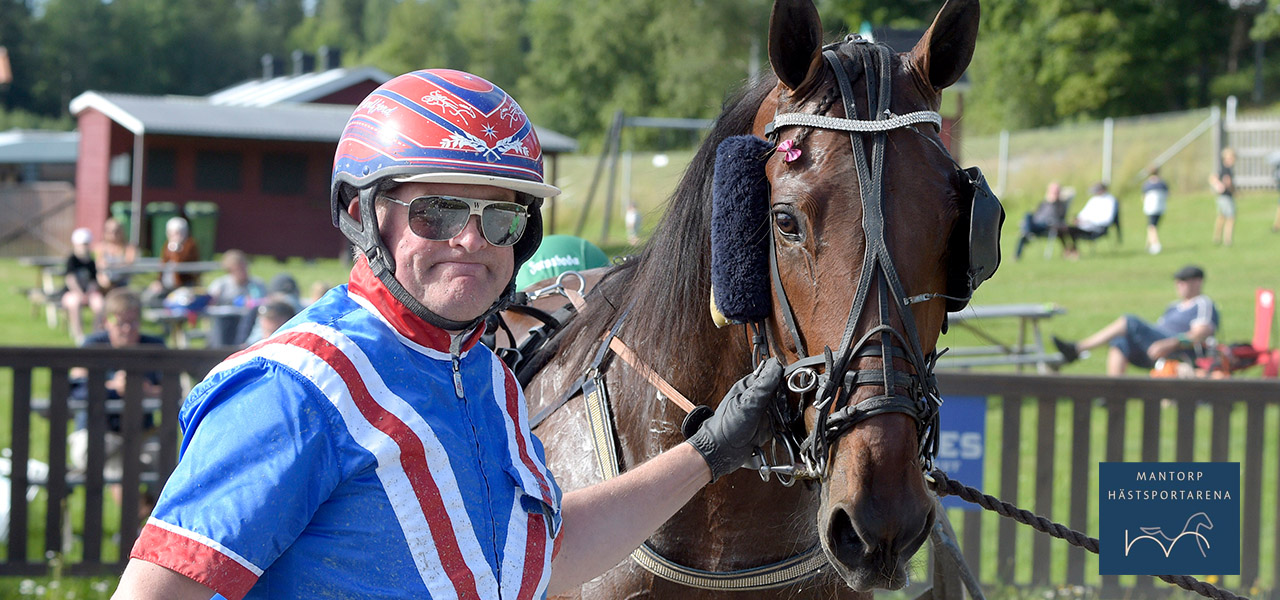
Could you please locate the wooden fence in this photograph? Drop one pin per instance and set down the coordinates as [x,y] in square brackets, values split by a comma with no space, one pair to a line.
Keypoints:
[38,402]
[1087,420]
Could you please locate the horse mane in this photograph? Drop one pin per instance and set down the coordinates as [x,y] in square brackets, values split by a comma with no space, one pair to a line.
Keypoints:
[668,286]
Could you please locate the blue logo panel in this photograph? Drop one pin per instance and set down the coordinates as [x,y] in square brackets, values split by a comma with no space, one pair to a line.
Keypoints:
[962,443]
[1169,518]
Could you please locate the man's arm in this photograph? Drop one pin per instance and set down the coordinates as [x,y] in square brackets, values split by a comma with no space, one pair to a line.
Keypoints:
[146,581]
[603,523]
[1197,335]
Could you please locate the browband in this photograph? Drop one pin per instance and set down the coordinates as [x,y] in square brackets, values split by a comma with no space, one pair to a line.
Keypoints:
[855,125]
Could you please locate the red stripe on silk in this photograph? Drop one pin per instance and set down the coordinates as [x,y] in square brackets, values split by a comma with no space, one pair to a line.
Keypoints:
[412,458]
[534,556]
[194,560]
[513,411]
[365,284]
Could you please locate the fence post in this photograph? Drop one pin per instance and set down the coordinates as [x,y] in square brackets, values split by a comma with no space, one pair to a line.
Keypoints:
[1003,182]
[1108,140]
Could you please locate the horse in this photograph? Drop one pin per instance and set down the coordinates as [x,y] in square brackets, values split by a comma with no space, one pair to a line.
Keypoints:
[859,239]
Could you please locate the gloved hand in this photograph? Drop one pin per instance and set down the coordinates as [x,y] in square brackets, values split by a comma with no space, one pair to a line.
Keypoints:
[741,423]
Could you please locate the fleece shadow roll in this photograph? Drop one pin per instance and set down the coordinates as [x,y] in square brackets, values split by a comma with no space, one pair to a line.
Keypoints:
[740,229]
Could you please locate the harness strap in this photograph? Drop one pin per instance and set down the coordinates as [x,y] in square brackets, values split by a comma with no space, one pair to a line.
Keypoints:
[623,351]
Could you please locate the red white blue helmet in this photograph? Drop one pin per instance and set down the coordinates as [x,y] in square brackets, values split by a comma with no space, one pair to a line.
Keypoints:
[443,126]
[436,126]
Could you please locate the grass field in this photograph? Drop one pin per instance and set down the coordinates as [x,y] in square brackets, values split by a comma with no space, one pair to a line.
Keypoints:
[1108,280]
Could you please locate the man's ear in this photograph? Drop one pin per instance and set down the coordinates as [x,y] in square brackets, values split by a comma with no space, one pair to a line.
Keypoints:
[353,208]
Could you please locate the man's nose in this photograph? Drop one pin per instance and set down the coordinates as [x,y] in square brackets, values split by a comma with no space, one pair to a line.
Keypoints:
[471,238]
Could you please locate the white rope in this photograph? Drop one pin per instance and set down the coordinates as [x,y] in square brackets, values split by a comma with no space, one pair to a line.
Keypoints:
[825,122]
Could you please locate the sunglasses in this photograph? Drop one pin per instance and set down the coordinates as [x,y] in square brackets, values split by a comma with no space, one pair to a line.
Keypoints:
[440,218]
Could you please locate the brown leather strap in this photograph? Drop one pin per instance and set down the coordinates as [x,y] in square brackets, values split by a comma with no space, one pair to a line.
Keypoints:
[622,350]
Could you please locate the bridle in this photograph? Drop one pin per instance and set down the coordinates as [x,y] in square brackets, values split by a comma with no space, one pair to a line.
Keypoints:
[912,391]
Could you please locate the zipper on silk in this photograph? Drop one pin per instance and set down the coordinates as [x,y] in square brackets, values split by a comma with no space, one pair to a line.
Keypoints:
[455,346]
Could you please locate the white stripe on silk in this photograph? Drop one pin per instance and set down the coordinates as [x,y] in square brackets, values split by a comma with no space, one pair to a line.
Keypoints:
[206,541]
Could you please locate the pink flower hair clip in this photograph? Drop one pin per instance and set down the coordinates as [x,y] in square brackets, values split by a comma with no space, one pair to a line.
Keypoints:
[789,151]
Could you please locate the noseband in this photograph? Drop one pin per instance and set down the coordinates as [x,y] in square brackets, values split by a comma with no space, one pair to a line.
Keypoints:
[913,391]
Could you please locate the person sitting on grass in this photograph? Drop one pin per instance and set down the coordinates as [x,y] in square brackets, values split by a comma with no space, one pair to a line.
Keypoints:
[1183,329]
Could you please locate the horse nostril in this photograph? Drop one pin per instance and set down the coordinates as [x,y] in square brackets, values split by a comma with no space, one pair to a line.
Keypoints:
[845,542]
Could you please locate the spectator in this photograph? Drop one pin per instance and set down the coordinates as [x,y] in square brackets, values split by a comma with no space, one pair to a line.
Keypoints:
[1224,183]
[1049,217]
[317,289]
[123,309]
[1184,328]
[1092,221]
[1155,194]
[271,316]
[284,286]
[179,247]
[236,287]
[80,278]
[114,251]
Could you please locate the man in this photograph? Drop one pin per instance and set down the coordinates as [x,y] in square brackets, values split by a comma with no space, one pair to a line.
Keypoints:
[1092,221]
[1155,196]
[1223,182]
[372,448]
[122,329]
[236,286]
[1184,327]
[1050,216]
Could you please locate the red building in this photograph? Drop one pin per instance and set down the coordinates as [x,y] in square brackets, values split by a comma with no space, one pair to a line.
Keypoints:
[262,151]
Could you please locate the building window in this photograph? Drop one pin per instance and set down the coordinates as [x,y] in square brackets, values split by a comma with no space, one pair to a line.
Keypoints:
[284,173]
[218,171]
[120,170]
[161,167]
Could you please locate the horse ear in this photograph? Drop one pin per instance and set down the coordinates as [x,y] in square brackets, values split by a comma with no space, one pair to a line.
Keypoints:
[795,38]
[944,52]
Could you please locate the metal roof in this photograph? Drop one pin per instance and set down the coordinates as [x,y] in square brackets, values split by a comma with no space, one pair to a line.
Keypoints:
[24,146]
[197,116]
[306,87]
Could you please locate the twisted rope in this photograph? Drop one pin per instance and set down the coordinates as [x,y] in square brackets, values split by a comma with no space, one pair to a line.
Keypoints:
[945,486]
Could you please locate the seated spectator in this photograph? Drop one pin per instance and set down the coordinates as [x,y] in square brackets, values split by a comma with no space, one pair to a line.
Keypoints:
[1181,332]
[283,285]
[271,316]
[1049,217]
[123,309]
[237,287]
[179,247]
[114,251]
[80,278]
[1092,221]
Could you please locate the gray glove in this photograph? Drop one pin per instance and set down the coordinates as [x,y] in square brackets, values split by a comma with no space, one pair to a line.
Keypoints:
[741,423]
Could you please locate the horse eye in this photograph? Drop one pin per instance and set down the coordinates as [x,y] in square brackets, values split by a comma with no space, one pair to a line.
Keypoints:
[788,225]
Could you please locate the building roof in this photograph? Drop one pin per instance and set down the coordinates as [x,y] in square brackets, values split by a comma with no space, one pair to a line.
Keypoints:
[306,87]
[25,146]
[198,116]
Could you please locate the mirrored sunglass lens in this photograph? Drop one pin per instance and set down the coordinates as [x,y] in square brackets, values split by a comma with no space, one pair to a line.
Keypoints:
[503,223]
[437,218]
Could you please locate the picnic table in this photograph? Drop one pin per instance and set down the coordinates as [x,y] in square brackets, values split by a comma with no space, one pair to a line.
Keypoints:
[1021,353]
[180,323]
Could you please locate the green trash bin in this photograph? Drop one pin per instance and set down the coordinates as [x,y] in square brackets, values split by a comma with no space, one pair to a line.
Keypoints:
[158,214]
[203,218]
[122,212]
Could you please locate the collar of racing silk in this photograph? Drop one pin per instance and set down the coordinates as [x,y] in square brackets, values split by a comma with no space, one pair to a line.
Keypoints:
[366,285]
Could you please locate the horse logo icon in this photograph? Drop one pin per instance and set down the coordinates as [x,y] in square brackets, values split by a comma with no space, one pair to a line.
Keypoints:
[1192,528]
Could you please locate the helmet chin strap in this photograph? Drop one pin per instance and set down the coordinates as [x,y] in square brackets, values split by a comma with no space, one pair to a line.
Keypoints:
[369,242]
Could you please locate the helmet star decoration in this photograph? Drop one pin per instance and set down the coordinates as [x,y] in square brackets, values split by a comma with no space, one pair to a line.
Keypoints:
[489,131]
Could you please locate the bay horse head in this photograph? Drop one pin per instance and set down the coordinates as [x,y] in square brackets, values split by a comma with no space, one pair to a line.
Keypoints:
[862,190]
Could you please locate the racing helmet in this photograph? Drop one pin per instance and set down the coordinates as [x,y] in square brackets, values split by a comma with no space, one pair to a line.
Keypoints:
[435,126]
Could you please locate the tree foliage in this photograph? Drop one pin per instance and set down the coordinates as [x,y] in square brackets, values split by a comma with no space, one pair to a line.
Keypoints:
[573,63]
